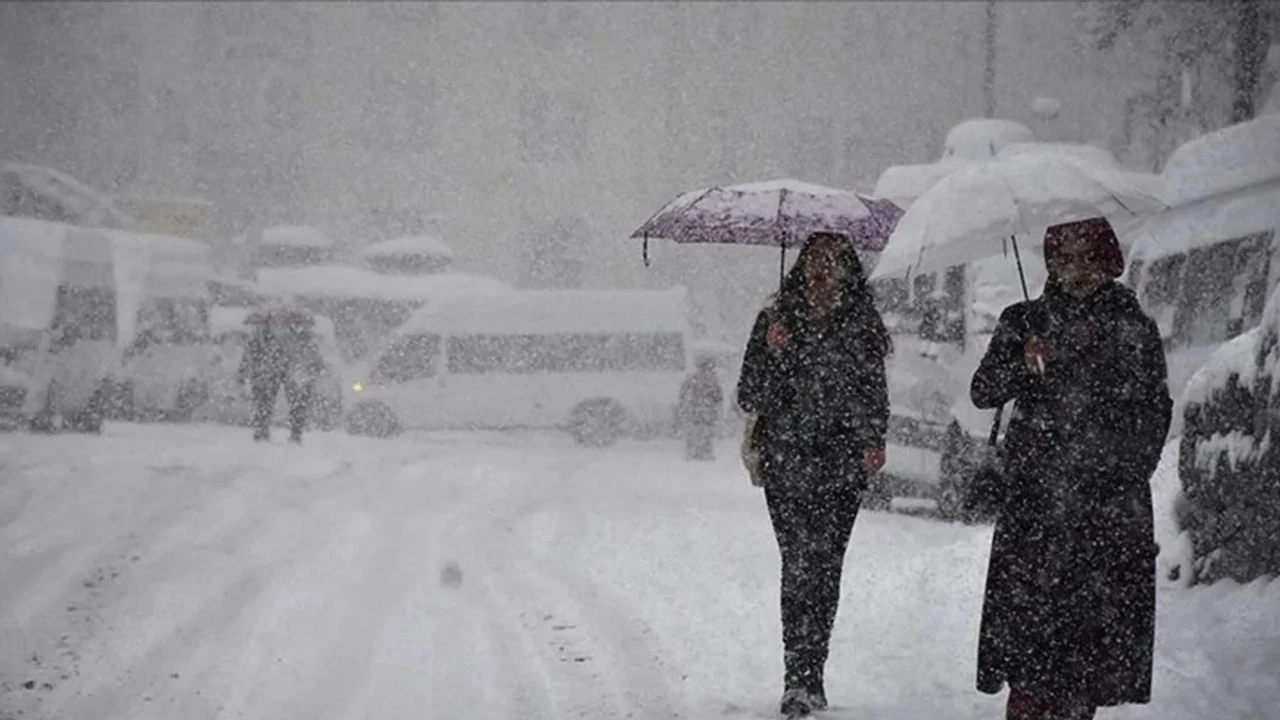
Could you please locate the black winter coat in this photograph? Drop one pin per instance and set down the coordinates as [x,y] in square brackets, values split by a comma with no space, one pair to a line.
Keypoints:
[278,351]
[820,399]
[1070,594]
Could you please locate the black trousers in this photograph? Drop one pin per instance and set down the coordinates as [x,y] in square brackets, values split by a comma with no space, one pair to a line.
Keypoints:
[265,390]
[812,528]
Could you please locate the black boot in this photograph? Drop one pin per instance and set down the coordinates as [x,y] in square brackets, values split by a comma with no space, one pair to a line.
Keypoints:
[801,678]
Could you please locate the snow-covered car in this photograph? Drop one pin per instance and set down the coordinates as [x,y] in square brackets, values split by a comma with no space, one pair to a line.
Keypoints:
[230,402]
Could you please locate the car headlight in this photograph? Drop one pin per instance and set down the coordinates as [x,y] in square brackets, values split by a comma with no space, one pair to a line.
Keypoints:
[357,386]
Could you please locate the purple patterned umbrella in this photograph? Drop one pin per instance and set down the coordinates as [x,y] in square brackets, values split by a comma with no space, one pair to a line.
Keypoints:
[779,213]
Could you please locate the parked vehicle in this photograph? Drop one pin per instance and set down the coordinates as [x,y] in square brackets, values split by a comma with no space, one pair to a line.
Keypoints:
[58,325]
[597,364]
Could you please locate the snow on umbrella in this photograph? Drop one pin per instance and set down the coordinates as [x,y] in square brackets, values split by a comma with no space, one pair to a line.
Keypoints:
[972,212]
[778,213]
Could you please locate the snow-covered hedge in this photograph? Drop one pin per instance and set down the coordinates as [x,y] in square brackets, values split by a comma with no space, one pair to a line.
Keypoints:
[1229,461]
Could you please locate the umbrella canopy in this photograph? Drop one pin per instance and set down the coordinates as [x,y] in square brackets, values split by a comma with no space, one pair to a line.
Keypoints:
[971,213]
[777,213]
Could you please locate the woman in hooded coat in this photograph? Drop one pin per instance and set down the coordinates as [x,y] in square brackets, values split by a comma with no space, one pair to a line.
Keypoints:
[813,375]
[1068,618]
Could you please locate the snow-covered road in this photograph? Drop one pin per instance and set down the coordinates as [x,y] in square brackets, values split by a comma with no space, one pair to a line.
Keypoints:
[184,572]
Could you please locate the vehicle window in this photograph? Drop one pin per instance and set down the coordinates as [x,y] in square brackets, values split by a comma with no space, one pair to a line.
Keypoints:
[84,313]
[1250,289]
[1162,289]
[411,357]
[173,321]
[1204,307]
[519,354]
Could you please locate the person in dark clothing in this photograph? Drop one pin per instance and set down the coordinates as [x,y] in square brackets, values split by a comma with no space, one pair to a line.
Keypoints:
[813,377]
[282,352]
[1068,618]
[699,408]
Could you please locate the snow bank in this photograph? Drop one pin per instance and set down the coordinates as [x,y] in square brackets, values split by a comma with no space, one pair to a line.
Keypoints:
[1230,159]
[352,281]
[1173,565]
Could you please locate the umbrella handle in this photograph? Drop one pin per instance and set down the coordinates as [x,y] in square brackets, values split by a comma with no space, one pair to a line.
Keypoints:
[644,251]
[1021,276]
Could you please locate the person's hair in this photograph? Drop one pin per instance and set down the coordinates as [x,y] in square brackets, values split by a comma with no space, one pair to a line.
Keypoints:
[1100,236]
[855,302]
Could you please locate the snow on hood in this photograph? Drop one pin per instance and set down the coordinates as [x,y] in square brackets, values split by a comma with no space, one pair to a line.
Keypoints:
[353,281]
[411,245]
[296,236]
[983,138]
[1220,162]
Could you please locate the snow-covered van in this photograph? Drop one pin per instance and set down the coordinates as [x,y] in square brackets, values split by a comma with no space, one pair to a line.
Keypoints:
[58,324]
[1204,267]
[164,309]
[597,363]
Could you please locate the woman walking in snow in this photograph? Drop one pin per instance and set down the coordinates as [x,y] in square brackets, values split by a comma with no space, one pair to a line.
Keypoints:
[1068,619]
[813,376]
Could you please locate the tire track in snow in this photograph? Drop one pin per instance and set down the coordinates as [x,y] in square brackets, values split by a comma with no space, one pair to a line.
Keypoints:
[245,509]
[602,657]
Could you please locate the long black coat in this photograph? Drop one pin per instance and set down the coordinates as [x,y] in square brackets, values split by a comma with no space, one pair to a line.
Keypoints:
[1070,594]
[820,398]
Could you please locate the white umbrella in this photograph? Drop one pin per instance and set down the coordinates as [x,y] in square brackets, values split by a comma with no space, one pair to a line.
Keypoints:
[975,211]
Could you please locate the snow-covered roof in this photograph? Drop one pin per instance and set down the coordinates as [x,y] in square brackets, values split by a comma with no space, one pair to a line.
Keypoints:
[1184,228]
[410,245]
[296,236]
[555,311]
[353,281]
[904,183]
[1220,162]
[982,138]
[1080,151]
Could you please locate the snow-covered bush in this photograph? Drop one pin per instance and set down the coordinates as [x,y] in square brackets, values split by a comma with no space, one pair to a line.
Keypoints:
[1229,460]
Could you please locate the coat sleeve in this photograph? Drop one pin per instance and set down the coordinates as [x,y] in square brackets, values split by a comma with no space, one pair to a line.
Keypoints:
[871,387]
[1002,376]
[1146,407]
[753,380]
